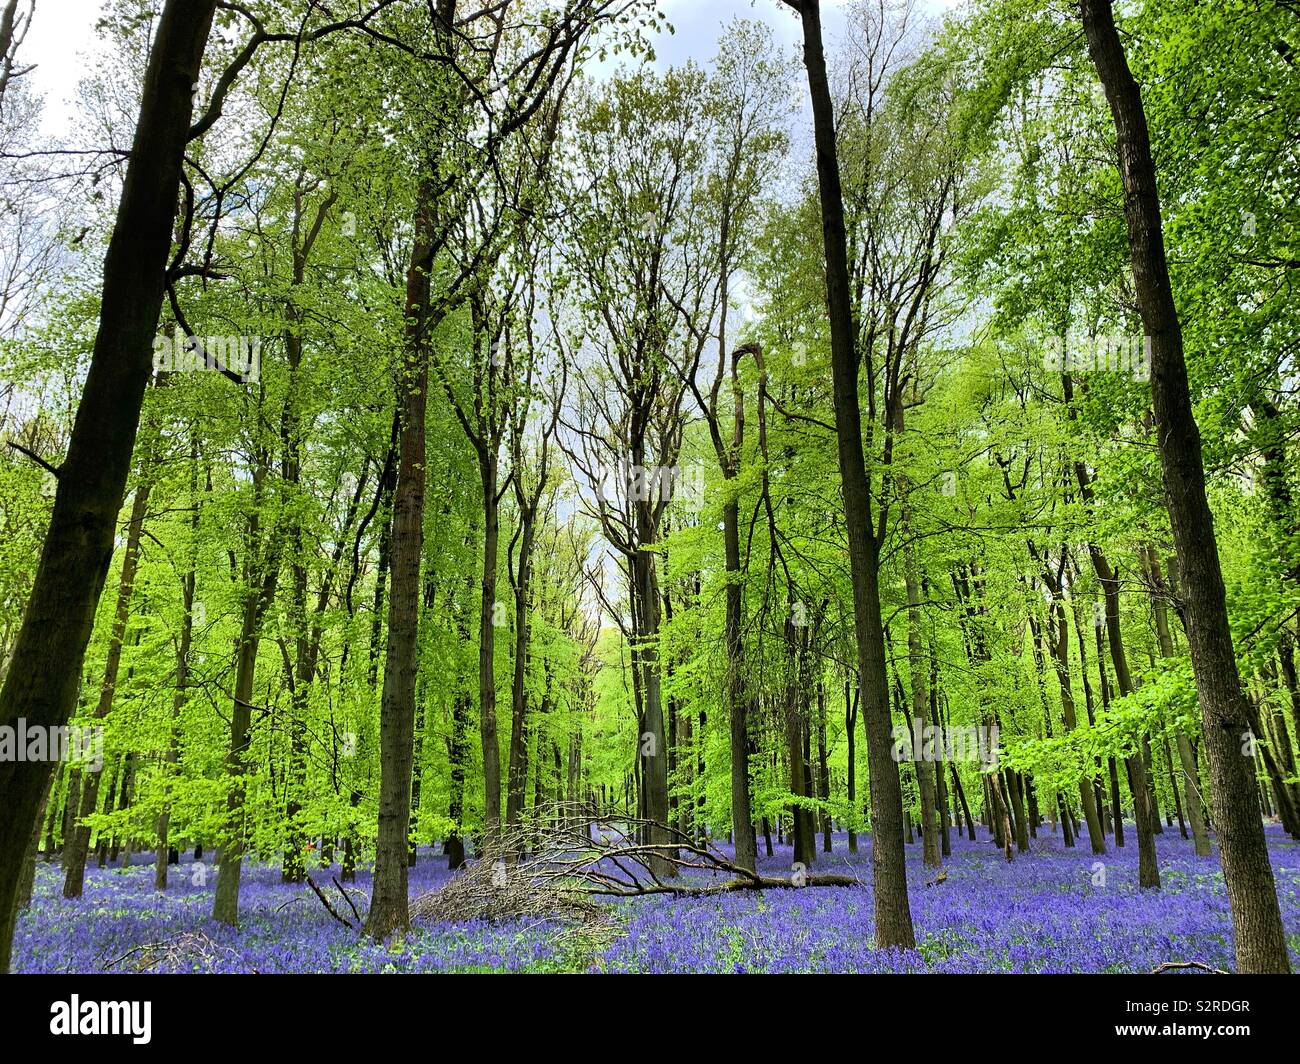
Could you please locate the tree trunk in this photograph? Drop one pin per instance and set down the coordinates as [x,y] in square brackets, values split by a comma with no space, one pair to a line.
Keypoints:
[801,829]
[225,902]
[652,745]
[1252,894]
[850,733]
[1061,659]
[487,685]
[940,777]
[918,670]
[1190,782]
[41,681]
[517,765]
[389,912]
[823,768]
[161,854]
[742,820]
[892,911]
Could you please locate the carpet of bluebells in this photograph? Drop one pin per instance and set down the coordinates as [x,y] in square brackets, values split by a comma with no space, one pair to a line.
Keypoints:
[1051,910]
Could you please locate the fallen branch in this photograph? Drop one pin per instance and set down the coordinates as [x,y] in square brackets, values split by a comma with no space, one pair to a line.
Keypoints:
[175,953]
[1174,966]
[347,898]
[558,865]
[330,908]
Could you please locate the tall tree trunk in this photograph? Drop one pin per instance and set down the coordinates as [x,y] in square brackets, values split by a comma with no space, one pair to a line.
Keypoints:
[1117,814]
[261,578]
[742,819]
[1108,813]
[918,671]
[823,768]
[1252,894]
[258,599]
[893,913]
[1145,815]
[1144,812]
[793,702]
[389,905]
[653,744]
[850,734]
[162,852]
[940,776]
[44,670]
[487,683]
[517,765]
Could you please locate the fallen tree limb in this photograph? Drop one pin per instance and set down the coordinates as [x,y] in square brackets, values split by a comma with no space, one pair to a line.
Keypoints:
[330,908]
[564,861]
[1174,966]
[732,885]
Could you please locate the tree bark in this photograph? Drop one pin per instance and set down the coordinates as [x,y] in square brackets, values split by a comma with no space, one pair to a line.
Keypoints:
[893,913]
[45,668]
[389,905]
[1256,916]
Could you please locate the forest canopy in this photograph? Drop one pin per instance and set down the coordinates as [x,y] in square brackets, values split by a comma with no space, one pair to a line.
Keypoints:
[459,465]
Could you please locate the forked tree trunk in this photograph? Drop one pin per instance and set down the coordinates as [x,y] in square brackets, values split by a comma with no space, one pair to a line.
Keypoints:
[1061,658]
[1191,784]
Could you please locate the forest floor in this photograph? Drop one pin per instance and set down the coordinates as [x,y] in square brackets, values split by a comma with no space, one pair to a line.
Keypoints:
[1050,910]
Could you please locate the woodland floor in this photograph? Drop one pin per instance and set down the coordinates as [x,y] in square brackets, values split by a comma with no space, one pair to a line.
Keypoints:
[1041,913]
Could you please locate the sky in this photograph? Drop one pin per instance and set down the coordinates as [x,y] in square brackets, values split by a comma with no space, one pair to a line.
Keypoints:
[62,41]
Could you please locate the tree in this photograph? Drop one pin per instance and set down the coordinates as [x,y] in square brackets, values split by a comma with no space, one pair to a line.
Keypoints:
[1260,942]
[893,913]
[40,686]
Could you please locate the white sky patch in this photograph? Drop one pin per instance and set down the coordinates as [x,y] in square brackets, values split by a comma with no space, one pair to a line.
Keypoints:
[61,43]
